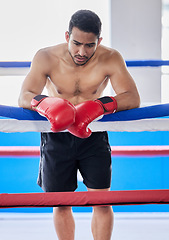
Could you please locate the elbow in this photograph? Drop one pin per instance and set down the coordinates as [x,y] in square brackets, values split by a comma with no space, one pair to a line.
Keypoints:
[134,102]
[20,102]
[137,102]
[24,103]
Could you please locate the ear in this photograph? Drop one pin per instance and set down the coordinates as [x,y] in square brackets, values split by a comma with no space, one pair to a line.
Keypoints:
[67,36]
[99,41]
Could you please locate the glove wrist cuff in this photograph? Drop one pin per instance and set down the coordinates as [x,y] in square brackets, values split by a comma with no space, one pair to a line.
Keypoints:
[37,99]
[109,104]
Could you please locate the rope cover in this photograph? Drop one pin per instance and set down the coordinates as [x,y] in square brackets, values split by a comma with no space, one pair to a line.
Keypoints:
[98,198]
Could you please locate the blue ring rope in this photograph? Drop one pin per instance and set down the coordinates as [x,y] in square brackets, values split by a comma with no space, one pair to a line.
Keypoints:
[155,111]
[15,64]
[129,63]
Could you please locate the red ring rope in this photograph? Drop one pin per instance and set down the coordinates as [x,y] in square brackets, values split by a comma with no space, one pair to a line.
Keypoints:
[116,151]
[19,151]
[140,150]
[135,197]
[86,198]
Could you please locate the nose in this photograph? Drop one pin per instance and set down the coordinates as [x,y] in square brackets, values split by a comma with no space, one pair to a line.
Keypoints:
[82,51]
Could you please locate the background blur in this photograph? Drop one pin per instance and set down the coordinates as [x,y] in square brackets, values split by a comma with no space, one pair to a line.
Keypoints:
[140,31]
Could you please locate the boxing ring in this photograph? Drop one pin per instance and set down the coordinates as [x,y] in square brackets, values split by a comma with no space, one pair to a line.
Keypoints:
[150,119]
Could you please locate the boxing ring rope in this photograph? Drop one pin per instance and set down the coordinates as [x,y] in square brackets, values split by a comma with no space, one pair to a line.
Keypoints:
[135,197]
[152,118]
[21,68]
[129,63]
[34,151]
[158,112]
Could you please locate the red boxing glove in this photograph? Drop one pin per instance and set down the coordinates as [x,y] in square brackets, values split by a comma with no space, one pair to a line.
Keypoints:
[60,112]
[87,111]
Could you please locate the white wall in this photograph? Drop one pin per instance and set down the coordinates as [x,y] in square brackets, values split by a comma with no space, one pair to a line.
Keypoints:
[136,33]
[165,51]
[131,26]
[28,25]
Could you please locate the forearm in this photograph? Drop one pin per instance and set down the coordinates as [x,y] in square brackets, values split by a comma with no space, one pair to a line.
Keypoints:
[25,99]
[127,100]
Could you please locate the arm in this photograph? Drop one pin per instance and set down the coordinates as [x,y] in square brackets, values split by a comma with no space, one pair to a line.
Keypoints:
[127,95]
[35,81]
[60,112]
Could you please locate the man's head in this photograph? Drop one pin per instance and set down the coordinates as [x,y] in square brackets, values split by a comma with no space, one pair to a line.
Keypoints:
[83,36]
[86,21]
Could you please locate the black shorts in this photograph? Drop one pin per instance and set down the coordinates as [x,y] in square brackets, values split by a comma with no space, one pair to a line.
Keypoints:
[62,154]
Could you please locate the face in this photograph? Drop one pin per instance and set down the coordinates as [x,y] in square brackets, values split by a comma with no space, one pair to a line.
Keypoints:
[81,45]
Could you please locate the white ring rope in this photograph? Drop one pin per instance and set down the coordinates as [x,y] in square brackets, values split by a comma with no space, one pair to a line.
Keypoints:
[150,125]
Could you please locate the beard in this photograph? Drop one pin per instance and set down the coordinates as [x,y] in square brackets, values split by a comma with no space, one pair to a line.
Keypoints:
[78,56]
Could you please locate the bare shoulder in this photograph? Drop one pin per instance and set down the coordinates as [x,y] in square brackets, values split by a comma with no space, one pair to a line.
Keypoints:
[48,53]
[109,54]
[111,59]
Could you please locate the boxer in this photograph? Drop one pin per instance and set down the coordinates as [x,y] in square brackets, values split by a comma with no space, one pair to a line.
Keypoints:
[75,74]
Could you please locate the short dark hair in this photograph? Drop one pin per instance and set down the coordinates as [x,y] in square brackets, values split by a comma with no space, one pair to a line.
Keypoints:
[87,21]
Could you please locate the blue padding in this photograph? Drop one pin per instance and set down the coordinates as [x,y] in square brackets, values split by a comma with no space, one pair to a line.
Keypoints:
[155,111]
[19,113]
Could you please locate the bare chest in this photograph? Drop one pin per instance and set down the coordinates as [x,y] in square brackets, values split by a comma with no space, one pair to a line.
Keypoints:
[77,82]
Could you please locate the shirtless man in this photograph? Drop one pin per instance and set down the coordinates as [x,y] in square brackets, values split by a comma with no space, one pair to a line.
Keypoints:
[75,74]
